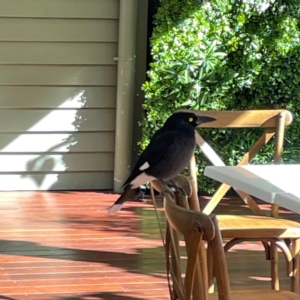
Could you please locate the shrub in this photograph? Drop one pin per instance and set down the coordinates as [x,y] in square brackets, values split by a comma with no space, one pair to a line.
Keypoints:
[225,55]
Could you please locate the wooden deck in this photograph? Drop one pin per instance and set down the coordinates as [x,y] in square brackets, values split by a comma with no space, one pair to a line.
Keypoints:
[64,246]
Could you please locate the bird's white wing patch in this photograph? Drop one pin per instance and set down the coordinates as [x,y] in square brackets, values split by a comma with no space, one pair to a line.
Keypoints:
[144,166]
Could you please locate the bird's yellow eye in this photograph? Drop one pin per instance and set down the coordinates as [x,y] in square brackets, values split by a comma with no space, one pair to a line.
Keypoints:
[191,119]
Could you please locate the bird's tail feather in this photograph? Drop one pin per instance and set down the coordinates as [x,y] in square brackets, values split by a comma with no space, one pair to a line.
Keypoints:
[128,193]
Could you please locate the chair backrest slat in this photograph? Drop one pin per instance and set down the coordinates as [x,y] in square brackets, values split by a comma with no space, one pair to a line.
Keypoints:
[196,228]
[184,225]
[244,118]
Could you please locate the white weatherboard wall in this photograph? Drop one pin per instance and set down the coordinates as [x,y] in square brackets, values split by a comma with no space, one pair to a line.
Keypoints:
[57,93]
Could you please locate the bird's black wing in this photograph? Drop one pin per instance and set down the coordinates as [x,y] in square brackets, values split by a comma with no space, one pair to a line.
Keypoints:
[160,146]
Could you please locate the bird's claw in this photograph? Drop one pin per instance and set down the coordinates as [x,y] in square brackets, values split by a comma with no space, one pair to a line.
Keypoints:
[181,191]
[172,187]
[167,188]
[178,188]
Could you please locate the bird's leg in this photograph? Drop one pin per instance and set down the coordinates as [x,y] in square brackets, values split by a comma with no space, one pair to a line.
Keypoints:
[178,188]
[166,188]
[142,192]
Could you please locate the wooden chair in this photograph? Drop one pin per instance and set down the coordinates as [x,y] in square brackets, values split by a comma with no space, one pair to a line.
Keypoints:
[197,228]
[272,231]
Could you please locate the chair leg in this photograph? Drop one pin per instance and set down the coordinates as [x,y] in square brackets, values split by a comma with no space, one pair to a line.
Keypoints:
[210,270]
[295,254]
[274,267]
[267,249]
[286,251]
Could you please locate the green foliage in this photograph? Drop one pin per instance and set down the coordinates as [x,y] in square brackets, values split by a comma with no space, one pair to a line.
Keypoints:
[220,55]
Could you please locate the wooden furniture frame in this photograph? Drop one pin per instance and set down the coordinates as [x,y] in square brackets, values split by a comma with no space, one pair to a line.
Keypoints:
[272,231]
[198,228]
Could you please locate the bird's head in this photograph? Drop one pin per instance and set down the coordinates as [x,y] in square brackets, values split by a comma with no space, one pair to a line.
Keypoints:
[187,119]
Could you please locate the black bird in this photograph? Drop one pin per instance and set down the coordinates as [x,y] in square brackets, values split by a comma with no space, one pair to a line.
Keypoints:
[169,151]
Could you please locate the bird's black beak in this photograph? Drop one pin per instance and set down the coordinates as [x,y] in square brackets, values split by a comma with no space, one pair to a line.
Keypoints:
[204,119]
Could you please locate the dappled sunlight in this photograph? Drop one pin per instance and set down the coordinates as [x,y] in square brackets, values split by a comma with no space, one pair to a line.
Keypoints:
[40,138]
[72,242]
[59,119]
[260,278]
[247,246]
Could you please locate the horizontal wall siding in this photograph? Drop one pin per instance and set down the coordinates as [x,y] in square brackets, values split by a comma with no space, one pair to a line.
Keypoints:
[68,142]
[57,96]
[57,181]
[105,9]
[71,162]
[58,30]
[61,53]
[58,77]
[56,120]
